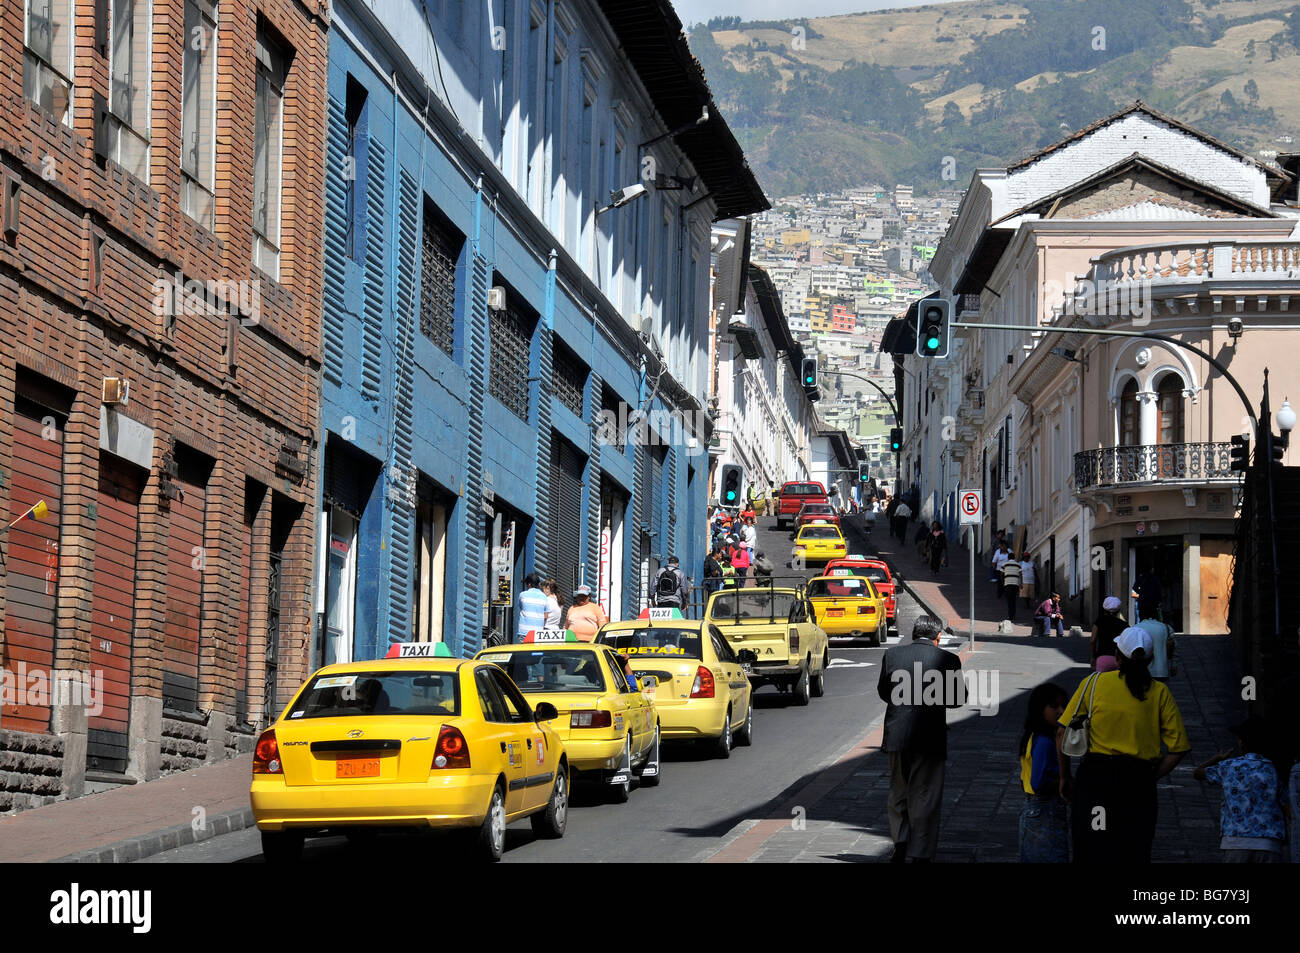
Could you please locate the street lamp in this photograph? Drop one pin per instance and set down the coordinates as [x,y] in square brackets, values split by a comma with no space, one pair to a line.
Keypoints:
[620,197]
[1286,421]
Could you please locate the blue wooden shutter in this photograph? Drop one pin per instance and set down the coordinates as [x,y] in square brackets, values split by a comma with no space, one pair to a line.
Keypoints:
[372,338]
[336,203]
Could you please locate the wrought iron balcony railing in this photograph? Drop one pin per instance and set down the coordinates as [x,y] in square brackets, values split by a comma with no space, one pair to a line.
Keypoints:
[1155,463]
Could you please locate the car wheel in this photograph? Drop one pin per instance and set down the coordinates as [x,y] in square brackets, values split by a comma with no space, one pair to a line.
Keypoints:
[651,780]
[282,847]
[551,822]
[819,681]
[745,736]
[619,793]
[723,747]
[802,688]
[492,834]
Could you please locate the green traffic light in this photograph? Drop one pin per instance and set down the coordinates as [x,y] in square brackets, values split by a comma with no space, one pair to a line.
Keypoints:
[932,343]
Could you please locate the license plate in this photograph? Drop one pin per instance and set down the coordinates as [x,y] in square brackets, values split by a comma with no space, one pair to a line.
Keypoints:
[835,612]
[356,768]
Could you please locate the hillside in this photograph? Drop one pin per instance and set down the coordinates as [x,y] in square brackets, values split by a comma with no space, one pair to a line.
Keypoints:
[928,94]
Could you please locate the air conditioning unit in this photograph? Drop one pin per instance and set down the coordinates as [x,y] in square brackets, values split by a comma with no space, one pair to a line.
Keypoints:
[116,391]
[496,298]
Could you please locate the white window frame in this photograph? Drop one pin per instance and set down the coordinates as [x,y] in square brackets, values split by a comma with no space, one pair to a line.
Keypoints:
[34,64]
[210,11]
[136,130]
[266,247]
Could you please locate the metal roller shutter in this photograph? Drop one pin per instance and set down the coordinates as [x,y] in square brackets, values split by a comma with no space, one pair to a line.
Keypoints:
[184,602]
[112,609]
[32,573]
[566,512]
[243,614]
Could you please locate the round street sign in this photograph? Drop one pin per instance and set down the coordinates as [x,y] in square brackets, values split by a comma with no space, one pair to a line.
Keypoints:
[1141,528]
[971,504]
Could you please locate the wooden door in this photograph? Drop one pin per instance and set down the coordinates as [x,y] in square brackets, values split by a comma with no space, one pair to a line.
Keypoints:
[31,576]
[184,599]
[1216,582]
[112,616]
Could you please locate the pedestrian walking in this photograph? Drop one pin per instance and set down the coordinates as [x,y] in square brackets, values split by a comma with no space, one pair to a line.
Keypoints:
[669,589]
[1050,616]
[1162,648]
[740,561]
[585,617]
[1107,627]
[712,570]
[1044,819]
[553,610]
[937,547]
[902,516]
[916,736]
[1129,717]
[1011,586]
[1251,823]
[1028,588]
[1000,557]
[728,572]
[533,604]
[1149,594]
[749,533]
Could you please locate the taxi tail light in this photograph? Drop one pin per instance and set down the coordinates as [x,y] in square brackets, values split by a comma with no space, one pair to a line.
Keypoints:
[266,754]
[590,719]
[703,686]
[794,642]
[451,750]
[866,610]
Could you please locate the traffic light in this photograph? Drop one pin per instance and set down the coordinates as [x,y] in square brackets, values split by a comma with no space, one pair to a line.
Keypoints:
[1240,453]
[864,473]
[733,481]
[895,439]
[932,320]
[809,373]
[1276,448]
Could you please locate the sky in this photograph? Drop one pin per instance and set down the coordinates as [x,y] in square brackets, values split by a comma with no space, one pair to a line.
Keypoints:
[698,11]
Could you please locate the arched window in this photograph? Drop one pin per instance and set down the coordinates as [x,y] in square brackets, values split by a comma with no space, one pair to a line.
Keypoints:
[1129,417]
[1169,404]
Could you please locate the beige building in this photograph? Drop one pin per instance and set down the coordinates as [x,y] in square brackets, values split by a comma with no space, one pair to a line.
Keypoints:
[1104,456]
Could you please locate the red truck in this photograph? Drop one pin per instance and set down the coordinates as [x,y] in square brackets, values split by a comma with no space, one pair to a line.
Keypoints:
[793,496]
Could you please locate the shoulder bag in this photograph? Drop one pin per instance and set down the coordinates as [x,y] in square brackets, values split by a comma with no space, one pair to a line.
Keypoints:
[1076,736]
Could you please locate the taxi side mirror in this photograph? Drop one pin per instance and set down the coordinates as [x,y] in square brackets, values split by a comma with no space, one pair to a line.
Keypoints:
[544,711]
[747,656]
[647,681]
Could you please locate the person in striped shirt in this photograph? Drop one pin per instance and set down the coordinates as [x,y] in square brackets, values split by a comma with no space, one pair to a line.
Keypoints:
[533,604]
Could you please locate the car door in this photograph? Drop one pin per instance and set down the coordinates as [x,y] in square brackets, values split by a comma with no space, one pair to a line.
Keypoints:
[734,674]
[539,765]
[638,712]
[507,735]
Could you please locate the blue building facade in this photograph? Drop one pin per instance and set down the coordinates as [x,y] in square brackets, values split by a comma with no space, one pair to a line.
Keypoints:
[513,373]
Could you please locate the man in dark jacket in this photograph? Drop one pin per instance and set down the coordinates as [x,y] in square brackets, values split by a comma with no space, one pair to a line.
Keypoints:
[919,682]
[713,570]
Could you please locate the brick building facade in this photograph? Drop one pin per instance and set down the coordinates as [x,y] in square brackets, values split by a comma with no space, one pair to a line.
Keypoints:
[146,620]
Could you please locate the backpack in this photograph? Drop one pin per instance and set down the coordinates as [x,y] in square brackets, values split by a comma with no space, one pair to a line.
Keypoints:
[666,585]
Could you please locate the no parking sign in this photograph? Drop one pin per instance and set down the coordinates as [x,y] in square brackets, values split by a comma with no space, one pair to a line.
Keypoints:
[971,505]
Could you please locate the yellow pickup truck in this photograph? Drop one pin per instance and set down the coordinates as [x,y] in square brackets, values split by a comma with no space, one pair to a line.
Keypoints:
[775,624]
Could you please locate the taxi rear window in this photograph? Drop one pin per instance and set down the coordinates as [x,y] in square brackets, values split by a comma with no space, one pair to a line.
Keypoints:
[845,586]
[350,694]
[874,573]
[559,670]
[654,641]
[819,532]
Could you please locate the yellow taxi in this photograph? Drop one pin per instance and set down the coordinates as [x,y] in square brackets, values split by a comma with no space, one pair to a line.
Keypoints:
[845,604]
[702,691]
[818,542]
[415,740]
[608,723]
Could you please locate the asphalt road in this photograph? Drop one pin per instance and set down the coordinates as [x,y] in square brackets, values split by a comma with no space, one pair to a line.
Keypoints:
[700,798]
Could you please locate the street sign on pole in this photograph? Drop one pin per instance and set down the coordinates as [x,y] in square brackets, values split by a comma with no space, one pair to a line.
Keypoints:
[970,504]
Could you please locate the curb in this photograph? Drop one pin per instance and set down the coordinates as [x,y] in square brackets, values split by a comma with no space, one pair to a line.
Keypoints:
[169,838]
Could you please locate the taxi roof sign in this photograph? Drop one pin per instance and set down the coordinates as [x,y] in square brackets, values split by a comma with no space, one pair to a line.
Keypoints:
[418,650]
[551,634]
[660,613]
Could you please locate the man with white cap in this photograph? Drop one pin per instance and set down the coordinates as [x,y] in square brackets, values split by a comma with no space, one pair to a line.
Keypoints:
[1135,736]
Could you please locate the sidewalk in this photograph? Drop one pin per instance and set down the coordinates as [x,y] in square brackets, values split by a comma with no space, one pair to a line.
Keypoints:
[839,814]
[135,821]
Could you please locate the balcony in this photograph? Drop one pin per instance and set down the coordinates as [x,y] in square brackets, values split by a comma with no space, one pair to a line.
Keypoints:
[1154,465]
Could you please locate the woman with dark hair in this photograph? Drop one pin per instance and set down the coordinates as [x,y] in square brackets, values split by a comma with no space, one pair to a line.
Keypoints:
[1106,629]
[937,548]
[1044,826]
[1135,737]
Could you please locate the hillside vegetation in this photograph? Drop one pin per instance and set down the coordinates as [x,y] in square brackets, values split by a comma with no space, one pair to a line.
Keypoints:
[928,94]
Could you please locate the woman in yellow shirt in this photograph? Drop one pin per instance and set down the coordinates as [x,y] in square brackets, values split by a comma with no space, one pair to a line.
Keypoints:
[1135,736]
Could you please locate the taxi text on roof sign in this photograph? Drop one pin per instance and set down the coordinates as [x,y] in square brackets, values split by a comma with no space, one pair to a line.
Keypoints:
[660,612]
[538,636]
[419,650]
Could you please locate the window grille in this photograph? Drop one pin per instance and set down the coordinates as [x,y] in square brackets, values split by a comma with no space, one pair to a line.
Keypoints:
[511,339]
[568,378]
[441,251]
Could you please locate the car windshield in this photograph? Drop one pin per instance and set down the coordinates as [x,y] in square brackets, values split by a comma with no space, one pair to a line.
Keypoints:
[560,670]
[804,489]
[654,640]
[379,693]
[845,586]
[741,606]
[874,573]
[818,508]
[819,532]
